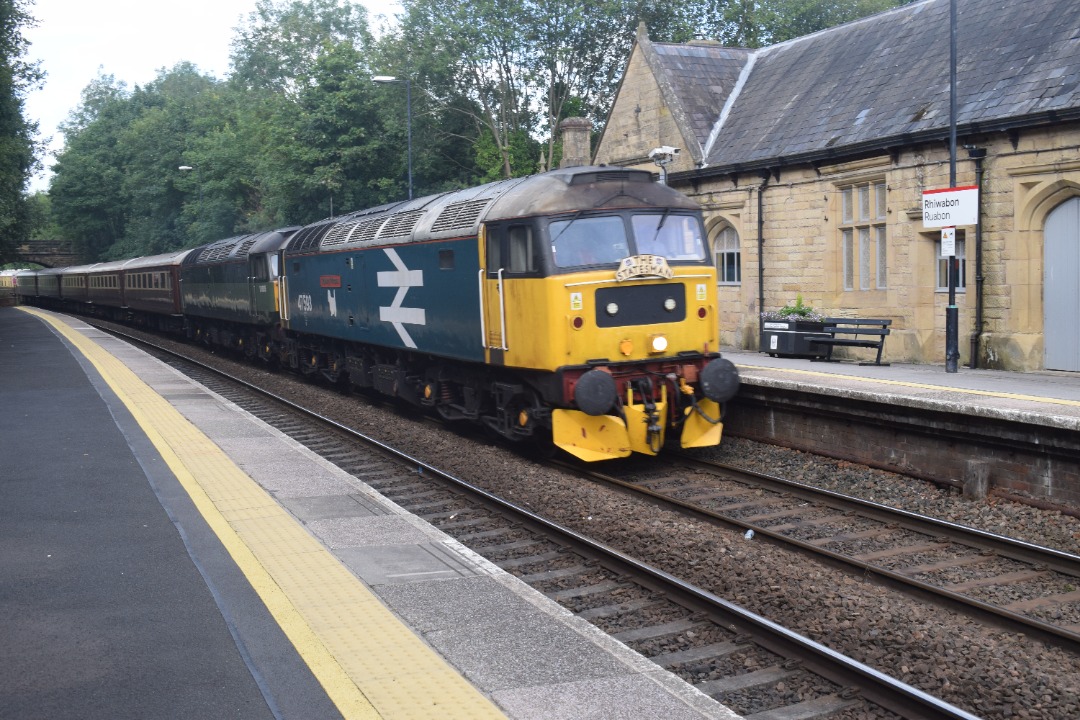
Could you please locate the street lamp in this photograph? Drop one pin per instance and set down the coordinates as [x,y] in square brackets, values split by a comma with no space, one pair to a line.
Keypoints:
[188,168]
[408,115]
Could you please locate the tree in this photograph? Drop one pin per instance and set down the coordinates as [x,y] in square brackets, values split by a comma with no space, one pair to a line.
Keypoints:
[281,43]
[87,184]
[578,51]
[18,149]
[484,46]
[522,64]
[756,23]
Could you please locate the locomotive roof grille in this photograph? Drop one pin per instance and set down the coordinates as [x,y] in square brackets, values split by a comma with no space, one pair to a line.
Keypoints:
[401,225]
[245,247]
[636,176]
[340,233]
[368,229]
[460,215]
[215,252]
[309,237]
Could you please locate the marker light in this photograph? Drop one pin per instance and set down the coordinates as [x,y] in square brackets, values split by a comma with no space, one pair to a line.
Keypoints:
[670,304]
[612,308]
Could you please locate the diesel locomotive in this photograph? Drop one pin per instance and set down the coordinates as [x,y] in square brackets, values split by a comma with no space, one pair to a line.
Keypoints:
[578,304]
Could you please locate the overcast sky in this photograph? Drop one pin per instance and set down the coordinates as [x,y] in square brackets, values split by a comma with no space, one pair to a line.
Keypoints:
[131,40]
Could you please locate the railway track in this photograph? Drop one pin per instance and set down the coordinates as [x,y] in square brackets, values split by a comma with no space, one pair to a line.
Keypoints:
[758,668]
[1022,586]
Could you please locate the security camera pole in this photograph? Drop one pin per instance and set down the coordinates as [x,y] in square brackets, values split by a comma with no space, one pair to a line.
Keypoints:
[662,157]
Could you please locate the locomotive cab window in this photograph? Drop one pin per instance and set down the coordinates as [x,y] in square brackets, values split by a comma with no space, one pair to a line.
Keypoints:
[494,252]
[675,237]
[514,249]
[606,240]
[259,269]
[579,241]
[523,250]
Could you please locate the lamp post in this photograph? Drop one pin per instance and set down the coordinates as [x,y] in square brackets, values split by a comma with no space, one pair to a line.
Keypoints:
[952,313]
[408,116]
[198,180]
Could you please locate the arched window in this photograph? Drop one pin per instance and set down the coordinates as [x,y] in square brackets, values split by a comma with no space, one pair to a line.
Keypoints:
[728,256]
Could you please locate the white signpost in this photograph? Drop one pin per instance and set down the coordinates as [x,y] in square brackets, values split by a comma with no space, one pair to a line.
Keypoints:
[948,242]
[945,209]
[950,207]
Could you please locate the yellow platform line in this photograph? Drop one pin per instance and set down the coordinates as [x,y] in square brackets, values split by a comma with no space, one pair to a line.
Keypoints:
[368,662]
[922,386]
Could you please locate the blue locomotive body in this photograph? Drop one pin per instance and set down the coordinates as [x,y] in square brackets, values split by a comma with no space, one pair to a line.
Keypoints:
[422,297]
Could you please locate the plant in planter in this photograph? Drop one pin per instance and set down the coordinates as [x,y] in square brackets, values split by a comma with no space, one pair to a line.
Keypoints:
[792,329]
[796,312]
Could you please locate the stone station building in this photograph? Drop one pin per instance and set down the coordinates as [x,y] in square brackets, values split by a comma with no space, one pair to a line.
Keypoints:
[810,157]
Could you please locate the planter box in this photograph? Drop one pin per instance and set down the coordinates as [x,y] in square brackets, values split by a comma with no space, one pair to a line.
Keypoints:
[793,338]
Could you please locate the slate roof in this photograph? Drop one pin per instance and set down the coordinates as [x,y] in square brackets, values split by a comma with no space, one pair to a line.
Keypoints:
[701,78]
[881,81]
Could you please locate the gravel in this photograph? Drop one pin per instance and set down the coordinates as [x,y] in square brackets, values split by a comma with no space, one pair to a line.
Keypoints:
[986,671]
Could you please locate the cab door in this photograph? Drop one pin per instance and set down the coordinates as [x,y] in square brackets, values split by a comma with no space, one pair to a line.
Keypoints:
[493,295]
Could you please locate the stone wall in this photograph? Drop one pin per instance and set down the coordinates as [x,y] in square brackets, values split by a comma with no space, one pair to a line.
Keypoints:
[1027,173]
[642,122]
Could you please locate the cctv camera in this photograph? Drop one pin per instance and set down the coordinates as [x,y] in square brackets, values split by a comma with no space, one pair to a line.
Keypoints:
[664,152]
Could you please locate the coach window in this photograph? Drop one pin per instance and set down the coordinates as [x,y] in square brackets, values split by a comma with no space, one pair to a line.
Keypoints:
[728,256]
[862,235]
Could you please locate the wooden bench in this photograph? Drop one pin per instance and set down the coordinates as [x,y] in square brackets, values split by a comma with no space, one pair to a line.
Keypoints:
[854,332]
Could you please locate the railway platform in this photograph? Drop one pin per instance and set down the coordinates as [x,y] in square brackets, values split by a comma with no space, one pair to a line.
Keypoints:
[1014,433]
[1049,397]
[165,554]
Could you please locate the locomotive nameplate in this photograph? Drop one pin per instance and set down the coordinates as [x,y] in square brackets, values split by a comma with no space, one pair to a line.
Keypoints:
[637,266]
[330,281]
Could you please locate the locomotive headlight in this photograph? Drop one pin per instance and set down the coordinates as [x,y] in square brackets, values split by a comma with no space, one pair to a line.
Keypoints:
[670,304]
[657,344]
[612,308]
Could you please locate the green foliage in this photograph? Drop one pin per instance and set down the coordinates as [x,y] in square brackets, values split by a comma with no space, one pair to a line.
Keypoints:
[42,223]
[299,131]
[523,153]
[87,184]
[278,47]
[756,23]
[18,148]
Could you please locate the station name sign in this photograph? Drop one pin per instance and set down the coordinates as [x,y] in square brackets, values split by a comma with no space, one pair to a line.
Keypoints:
[950,207]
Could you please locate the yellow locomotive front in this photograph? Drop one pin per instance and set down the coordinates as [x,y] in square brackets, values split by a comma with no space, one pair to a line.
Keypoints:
[614,301]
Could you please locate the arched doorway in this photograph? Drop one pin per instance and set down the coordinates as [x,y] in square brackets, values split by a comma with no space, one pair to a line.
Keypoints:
[1061,287]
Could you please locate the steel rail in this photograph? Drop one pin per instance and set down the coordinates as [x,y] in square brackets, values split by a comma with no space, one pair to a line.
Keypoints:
[875,686]
[979,539]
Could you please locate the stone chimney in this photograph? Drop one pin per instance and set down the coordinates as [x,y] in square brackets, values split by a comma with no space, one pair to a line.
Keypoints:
[575,137]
